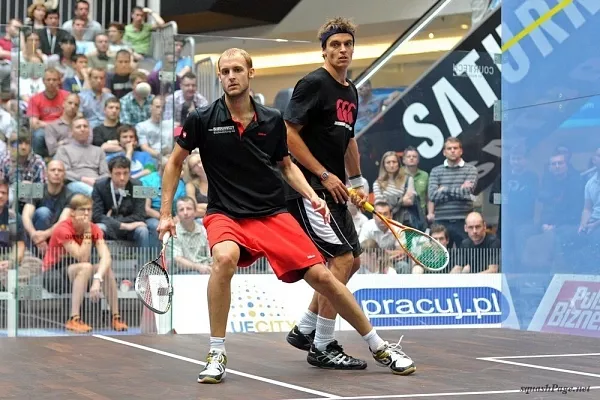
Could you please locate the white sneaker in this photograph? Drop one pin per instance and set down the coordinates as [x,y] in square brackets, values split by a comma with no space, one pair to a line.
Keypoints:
[392,356]
[214,371]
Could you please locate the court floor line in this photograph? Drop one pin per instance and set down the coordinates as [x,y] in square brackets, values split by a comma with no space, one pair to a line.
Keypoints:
[543,356]
[447,394]
[565,371]
[229,371]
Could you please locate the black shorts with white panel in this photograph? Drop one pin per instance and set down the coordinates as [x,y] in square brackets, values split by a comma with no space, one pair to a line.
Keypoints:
[334,239]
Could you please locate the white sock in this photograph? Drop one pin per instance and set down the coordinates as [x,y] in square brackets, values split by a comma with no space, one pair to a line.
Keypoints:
[308,322]
[217,343]
[324,334]
[374,340]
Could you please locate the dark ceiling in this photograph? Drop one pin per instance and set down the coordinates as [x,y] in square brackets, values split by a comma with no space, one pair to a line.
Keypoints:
[202,16]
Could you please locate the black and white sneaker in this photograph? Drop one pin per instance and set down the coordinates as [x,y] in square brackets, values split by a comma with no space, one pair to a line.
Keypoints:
[214,371]
[300,340]
[392,356]
[333,357]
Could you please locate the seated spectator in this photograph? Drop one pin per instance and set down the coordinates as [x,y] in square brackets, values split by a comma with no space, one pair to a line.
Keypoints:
[83,162]
[83,45]
[155,133]
[8,126]
[139,32]
[376,230]
[12,246]
[94,97]
[100,58]
[196,183]
[184,101]
[184,65]
[190,251]
[40,216]
[135,105]
[358,217]
[44,108]
[8,43]
[34,83]
[142,163]
[118,81]
[22,165]
[115,38]
[31,48]
[68,259]
[120,215]
[440,233]
[154,180]
[90,27]
[50,34]
[58,132]
[480,252]
[105,135]
[374,260]
[66,65]
[77,82]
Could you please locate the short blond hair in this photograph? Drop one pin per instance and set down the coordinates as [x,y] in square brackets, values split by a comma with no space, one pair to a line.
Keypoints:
[80,200]
[233,52]
[339,24]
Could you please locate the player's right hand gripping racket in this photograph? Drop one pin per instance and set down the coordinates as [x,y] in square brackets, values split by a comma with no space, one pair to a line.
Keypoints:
[153,285]
[419,246]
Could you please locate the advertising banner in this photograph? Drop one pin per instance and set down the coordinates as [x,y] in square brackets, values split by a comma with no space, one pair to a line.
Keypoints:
[261,303]
[571,305]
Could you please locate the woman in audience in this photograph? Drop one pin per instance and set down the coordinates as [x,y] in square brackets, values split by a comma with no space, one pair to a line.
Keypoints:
[393,185]
[196,183]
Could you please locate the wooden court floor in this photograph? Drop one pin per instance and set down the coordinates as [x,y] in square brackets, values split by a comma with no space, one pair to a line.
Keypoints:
[454,364]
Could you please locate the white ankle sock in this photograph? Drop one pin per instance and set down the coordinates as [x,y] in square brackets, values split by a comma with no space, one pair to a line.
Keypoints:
[324,334]
[308,322]
[373,340]
[217,343]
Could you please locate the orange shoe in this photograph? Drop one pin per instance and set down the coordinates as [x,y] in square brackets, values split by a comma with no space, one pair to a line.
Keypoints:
[76,325]
[119,325]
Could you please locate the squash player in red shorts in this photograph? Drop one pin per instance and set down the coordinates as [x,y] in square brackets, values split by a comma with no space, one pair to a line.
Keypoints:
[243,146]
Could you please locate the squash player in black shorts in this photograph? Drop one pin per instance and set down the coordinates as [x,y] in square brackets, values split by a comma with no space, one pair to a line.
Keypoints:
[320,127]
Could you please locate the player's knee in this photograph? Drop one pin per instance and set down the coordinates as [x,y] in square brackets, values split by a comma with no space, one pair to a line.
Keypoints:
[323,280]
[86,269]
[224,264]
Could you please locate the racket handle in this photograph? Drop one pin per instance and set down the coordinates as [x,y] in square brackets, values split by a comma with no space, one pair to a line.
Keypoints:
[166,237]
[366,206]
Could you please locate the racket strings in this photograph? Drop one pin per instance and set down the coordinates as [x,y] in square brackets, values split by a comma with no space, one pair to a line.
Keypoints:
[153,286]
[426,250]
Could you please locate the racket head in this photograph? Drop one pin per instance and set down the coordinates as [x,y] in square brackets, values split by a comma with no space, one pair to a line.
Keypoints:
[423,249]
[153,287]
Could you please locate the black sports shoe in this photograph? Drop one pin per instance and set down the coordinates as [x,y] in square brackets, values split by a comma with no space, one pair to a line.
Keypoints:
[300,340]
[333,357]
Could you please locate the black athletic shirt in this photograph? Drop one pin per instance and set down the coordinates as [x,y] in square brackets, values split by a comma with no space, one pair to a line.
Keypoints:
[327,111]
[243,178]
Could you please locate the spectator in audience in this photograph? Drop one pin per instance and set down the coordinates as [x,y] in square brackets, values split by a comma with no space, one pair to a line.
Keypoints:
[410,159]
[190,252]
[393,185]
[374,260]
[118,81]
[135,105]
[84,46]
[100,58]
[41,216]
[51,35]
[31,48]
[8,126]
[8,44]
[115,33]
[44,108]
[120,215]
[84,163]
[156,133]
[21,165]
[58,132]
[184,100]
[358,217]
[66,65]
[139,32]
[440,233]
[196,183]
[69,259]
[36,14]
[76,83]
[91,28]
[94,97]
[105,135]
[451,188]
[154,180]
[142,163]
[480,251]
[33,83]
[369,106]
[12,245]
[184,65]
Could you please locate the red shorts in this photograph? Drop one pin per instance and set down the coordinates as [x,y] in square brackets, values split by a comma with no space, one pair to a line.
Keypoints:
[279,238]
